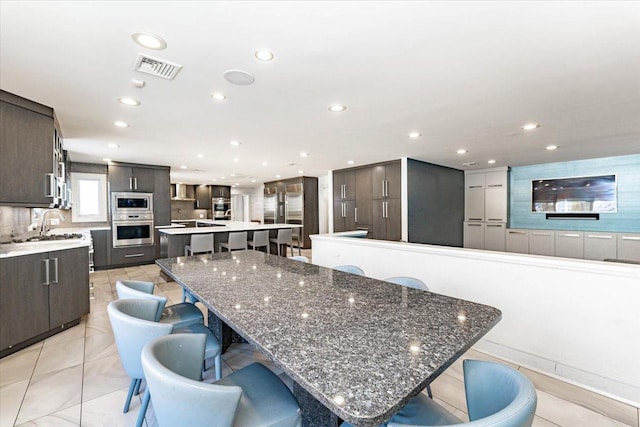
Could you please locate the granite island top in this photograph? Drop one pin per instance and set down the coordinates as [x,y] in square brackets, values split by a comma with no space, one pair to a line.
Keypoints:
[217,226]
[361,346]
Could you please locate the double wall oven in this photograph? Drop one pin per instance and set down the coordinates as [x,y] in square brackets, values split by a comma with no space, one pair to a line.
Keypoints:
[132,219]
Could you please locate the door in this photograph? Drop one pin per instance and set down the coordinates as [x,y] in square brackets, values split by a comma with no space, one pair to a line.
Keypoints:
[569,244]
[378,184]
[628,247]
[379,226]
[495,204]
[203,197]
[344,185]
[393,177]
[143,179]
[120,178]
[541,243]
[517,241]
[69,288]
[474,235]
[394,220]
[24,305]
[494,237]
[600,246]
[474,204]
[364,212]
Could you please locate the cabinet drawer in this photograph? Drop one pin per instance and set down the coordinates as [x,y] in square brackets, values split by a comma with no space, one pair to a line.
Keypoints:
[133,255]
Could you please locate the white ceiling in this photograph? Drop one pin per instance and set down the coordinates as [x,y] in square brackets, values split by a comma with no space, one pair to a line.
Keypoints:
[465,75]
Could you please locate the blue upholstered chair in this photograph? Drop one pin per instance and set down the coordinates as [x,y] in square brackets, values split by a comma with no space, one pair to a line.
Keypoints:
[250,397]
[409,282]
[179,315]
[497,396]
[299,258]
[353,269]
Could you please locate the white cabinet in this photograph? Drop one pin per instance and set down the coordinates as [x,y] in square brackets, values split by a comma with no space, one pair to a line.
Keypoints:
[474,235]
[497,179]
[541,242]
[628,247]
[495,204]
[569,244]
[494,236]
[474,180]
[474,205]
[600,246]
[517,241]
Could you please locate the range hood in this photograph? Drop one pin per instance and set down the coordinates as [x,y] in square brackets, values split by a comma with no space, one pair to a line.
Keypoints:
[181,193]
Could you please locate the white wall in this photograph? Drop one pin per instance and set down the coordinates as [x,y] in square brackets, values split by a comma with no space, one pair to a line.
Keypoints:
[325,197]
[575,319]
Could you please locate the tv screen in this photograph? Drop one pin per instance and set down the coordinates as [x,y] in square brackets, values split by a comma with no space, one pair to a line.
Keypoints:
[588,194]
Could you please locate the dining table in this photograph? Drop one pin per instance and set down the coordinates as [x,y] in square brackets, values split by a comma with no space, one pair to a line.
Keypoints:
[356,348]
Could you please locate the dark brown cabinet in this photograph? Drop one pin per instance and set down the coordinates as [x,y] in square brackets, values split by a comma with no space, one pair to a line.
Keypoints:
[386,220]
[127,178]
[386,181]
[220,191]
[344,185]
[101,248]
[344,215]
[161,196]
[41,294]
[33,167]
[203,197]
[364,201]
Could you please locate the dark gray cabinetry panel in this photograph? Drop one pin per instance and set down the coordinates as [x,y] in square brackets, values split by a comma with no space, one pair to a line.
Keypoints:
[24,305]
[435,204]
[101,248]
[344,184]
[69,289]
[128,178]
[133,255]
[344,215]
[203,197]
[364,200]
[220,191]
[385,180]
[162,197]
[387,224]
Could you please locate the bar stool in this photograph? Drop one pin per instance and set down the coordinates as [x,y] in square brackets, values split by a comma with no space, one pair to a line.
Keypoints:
[200,243]
[353,269]
[295,236]
[260,239]
[299,258]
[409,282]
[284,238]
[236,241]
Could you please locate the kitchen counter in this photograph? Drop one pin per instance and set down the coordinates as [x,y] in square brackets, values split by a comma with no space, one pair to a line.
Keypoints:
[27,248]
[217,226]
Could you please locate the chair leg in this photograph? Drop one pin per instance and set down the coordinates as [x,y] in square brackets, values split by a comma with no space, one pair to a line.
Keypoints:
[136,391]
[429,391]
[143,408]
[127,402]
[218,361]
[299,249]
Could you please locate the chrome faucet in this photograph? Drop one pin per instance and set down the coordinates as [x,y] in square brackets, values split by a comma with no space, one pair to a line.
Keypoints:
[228,212]
[42,226]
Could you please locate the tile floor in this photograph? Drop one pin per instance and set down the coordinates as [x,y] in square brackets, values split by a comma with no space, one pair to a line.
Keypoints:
[75,378]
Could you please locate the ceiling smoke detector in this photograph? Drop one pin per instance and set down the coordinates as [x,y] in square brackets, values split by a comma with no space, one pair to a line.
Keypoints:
[239,77]
[156,67]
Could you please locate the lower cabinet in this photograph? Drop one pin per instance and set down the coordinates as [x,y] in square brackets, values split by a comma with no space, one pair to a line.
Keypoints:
[542,243]
[517,241]
[131,255]
[386,220]
[101,248]
[600,246]
[41,293]
[474,235]
[494,236]
[569,244]
[628,247]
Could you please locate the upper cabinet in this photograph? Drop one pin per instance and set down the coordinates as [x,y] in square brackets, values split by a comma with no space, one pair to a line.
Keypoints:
[203,197]
[486,195]
[33,165]
[344,185]
[220,191]
[131,178]
[385,180]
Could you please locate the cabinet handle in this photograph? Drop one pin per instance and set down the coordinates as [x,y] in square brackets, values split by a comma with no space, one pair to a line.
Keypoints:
[495,185]
[494,219]
[596,236]
[197,204]
[475,219]
[386,188]
[50,181]
[46,272]
[130,183]
[540,234]
[55,270]
[474,225]
[135,183]
[517,232]
[344,210]
[475,186]
[494,225]
[569,235]
[630,238]
[63,170]
[356,214]
[133,255]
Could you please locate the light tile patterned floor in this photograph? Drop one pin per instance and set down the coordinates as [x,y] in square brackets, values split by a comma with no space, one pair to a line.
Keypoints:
[75,378]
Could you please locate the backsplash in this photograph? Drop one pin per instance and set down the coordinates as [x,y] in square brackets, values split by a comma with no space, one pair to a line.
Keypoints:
[183,209]
[14,222]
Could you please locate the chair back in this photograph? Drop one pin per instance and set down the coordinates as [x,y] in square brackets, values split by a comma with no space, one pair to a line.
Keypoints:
[201,243]
[261,238]
[299,258]
[237,240]
[353,269]
[409,282]
[284,236]
[498,395]
[134,289]
[172,368]
[133,324]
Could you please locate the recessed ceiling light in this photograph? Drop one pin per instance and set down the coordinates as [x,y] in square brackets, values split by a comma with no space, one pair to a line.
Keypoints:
[129,101]
[530,126]
[461,151]
[200,156]
[277,176]
[234,143]
[213,179]
[304,154]
[414,135]
[150,41]
[113,145]
[491,161]
[253,180]
[237,183]
[350,162]
[120,124]
[106,160]
[218,96]
[222,177]
[236,159]
[264,163]
[300,172]
[551,147]
[183,167]
[337,108]
[264,55]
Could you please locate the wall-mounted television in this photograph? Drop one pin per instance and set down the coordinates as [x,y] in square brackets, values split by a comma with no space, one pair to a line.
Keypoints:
[587,194]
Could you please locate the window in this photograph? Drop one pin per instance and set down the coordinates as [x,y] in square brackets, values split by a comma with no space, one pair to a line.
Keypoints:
[89,197]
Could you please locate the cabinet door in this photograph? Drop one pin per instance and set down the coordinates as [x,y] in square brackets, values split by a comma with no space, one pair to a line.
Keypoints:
[27,156]
[474,205]
[517,241]
[378,184]
[393,176]
[494,237]
[379,223]
[363,197]
[495,204]
[133,255]
[600,246]
[101,247]
[203,197]
[474,235]
[628,247]
[162,197]
[394,220]
[495,179]
[225,192]
[338,216]
[338,185]
[24,305]
[69,288]
[474,180]
[569,244]
[120,178]
[143,179]
[541,243]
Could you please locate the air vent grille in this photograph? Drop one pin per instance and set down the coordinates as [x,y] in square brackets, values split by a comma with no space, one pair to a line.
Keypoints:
[156,67]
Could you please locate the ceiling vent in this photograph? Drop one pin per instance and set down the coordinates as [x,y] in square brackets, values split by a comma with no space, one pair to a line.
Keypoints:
[156,67]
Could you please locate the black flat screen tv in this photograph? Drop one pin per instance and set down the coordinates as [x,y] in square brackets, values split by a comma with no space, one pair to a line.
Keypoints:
[587,194]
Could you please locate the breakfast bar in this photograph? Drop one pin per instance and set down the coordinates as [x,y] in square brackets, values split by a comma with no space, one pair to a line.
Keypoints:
[356,348]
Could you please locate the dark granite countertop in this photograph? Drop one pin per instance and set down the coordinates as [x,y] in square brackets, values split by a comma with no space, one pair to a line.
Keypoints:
[361,346]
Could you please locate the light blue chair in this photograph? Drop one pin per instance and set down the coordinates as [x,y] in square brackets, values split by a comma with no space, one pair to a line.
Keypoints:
[299,258]
[409,282]
[179,315]
[497,396]
[250,397]
[353,269]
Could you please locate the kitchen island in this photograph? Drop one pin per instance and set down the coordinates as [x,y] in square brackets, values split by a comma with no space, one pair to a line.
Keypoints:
[173,240]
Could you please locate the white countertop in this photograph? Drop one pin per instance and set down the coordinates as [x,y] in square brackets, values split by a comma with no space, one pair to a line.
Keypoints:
[27,248]
[225,227]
